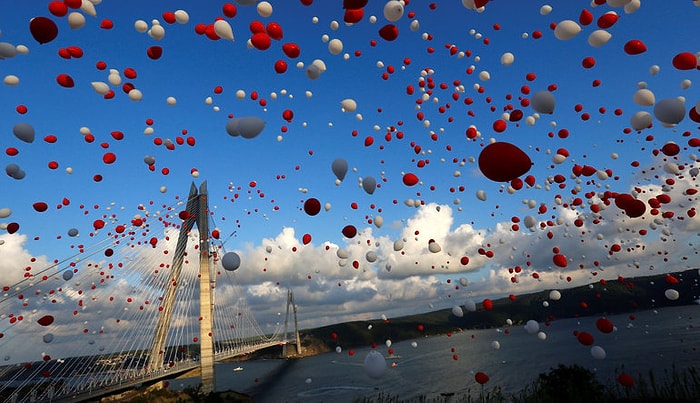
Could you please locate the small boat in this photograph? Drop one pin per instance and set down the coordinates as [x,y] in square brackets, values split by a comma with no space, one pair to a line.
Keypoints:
[238,369]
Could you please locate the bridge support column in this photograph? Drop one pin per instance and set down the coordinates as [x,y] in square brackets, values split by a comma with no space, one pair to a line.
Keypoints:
[206,306]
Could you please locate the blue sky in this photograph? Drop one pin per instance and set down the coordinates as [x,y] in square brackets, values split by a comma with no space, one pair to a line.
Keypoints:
[290,166]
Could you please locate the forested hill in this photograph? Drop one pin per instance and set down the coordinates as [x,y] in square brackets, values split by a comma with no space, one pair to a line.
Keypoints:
[623,295]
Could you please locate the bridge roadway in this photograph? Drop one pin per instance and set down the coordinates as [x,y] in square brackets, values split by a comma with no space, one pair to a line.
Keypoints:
[112,383]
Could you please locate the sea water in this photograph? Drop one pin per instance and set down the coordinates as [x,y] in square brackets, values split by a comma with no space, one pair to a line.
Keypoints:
[445,364]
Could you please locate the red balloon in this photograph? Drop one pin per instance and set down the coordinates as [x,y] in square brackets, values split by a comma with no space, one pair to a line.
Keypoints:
[58,8]
[45,320]
[481,378]
[560,260]
[349,231]
[274,30]
[353,15]
[488,304]
[354,3]
[291,50]
[607,20]
[389,32]
[635,47]
[256,27]
[670,149]
[40,207]
[685,61]
[109,158]
[585,18]
[312,206]
[585,338]
[64,80]
[306,239]
[604,325]
[288,115]
[261,41]
[503,162]
[98,224]
[635,208]
[230,10]
[625,380]
[410,179]
[106,24]
[12,228]
[464,260]
[280,66]
[73,3]
[154,52]
[43,29]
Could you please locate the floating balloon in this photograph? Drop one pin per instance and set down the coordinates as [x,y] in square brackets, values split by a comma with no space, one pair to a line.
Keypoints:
[685,61]
[457,311]
[349,231]
[670,111]
[378,221]
[312,206]
[24,132]
[7,50]
[434,247]
[231,261]
[598,352]
[369,184]
[543,102]
[470,305]
[68,274]
[47,338]
[348,105]
[371,256]
[481,378]
[339,168]
[507,59]
[393,10]
[566,30]
[45,320]
[503,162]
[599,38]
[641,120]
[555,295]
[604,325]
[532,327]
[375,364]
[246,127]
[671,294]
[398,245]
[644,97]
[223,29]
[43,29]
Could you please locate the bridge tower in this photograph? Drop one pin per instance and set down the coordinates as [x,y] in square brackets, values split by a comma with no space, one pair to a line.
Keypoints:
[198,209]
[290,302]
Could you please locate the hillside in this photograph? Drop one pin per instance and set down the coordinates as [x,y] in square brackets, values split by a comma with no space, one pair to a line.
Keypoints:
[601,298]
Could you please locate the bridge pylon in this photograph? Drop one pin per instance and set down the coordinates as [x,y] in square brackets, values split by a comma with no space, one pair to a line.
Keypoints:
[198,209]
[290,302]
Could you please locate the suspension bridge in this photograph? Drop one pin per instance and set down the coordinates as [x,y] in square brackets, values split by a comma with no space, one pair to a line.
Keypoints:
[132,309]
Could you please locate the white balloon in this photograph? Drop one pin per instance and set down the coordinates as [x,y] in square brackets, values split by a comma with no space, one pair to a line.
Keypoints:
[371,256]
[135,95]
[598,352]
[671,294]
[157,32]
[434,247]
[378,221]
[11,80]
[470,305]
[375,364]
[141,26]
[507,59]
[398,245]
[342,253]
[100,87]
[542,336]
[264,9]
[414,344]
[393,10]
[555,295]
[348,105]
[5,212]
[481,195]
[76,20]
[543,102]
[546,9]
[231,261]
[223,29]
[566,30]
[599,37]
[670,110]
[457,311]
[532,327]
[335,46]
[641,120]
[182,17]
[644,97]
[495,345]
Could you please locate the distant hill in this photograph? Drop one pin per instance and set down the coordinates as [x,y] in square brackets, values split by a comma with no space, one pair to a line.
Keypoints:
[600,298]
